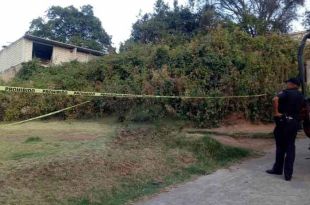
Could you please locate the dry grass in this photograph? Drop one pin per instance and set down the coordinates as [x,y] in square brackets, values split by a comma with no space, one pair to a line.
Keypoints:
[94,162]
[41,171]
[73,158]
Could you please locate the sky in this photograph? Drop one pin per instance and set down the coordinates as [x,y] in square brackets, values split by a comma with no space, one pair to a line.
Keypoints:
[117,16]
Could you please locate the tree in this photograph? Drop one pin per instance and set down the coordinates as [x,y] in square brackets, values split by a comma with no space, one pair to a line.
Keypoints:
[209,17]
[161,8]
[71,25]
[306,21]
[165,22]
[258,16]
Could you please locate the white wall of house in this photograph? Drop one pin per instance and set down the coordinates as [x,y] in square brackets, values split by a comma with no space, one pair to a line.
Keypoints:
[21,51]
[61,55]
[16,53]
[27,50]
[84,57]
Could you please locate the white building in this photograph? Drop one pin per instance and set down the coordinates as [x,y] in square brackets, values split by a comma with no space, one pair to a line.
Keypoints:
[47,51]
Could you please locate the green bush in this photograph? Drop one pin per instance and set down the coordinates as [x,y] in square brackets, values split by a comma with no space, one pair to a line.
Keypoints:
[219,63]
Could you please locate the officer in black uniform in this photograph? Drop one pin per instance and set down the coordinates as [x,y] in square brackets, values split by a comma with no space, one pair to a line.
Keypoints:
[286,105]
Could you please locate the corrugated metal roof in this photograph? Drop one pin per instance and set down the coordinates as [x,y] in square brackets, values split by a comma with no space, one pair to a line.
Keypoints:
[63,45]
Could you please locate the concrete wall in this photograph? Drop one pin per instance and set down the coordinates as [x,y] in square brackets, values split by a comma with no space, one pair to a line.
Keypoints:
[10,73]
[61,55]
[11,55]
[27,50]
[84,57]
[20,51]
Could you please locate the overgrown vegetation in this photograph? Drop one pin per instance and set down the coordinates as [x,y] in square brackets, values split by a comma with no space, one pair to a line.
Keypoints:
[180,51]
[219,63]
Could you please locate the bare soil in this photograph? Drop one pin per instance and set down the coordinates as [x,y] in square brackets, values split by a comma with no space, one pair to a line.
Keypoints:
[239,125]
[246,127]
[236,122]
[257,144]
[253,144]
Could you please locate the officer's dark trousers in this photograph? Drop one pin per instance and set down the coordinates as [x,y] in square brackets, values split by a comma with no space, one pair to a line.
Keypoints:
[285,134]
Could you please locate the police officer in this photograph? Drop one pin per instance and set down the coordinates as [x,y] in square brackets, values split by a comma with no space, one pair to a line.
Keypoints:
[286,105]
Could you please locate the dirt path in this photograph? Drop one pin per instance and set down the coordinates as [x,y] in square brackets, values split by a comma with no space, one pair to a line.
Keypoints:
[246,127]
[245,184]
[256,144]
[256,137]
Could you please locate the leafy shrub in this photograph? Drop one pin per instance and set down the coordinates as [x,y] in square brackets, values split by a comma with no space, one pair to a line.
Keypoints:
[145,113]
[29,69]
[218,63]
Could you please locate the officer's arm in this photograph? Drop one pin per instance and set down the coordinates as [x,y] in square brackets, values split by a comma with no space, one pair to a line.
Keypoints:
[276,112]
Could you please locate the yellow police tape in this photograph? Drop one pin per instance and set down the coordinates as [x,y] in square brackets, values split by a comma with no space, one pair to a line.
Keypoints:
[47,115]
[117,95]
[97,94]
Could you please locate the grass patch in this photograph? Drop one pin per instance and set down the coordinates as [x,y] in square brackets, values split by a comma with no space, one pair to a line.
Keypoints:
[254,135]
[130,191]
[22,155]
[120,164]
[53,139]
[210,155]
[33,140]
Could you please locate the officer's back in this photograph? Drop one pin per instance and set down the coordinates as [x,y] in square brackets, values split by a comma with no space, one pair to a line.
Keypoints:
[290,102]
[287,106]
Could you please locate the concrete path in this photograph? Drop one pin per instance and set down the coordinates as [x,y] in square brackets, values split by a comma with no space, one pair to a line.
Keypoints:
[245,184]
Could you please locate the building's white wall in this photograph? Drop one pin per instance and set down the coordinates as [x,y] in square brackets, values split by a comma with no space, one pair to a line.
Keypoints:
[20,51]
[12,55]
[61,55]
[84,57]
[27,50]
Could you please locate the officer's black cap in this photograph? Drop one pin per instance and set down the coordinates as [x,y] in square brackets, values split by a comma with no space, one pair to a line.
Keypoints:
[295,81]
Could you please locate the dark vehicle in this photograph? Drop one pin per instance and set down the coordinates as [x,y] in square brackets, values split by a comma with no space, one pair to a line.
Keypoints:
[305,112]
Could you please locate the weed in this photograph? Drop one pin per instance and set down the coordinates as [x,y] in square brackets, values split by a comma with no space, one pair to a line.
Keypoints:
[33,140]
[22,155]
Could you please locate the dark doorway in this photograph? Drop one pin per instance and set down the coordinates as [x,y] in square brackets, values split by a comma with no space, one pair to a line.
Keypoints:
[42,52]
